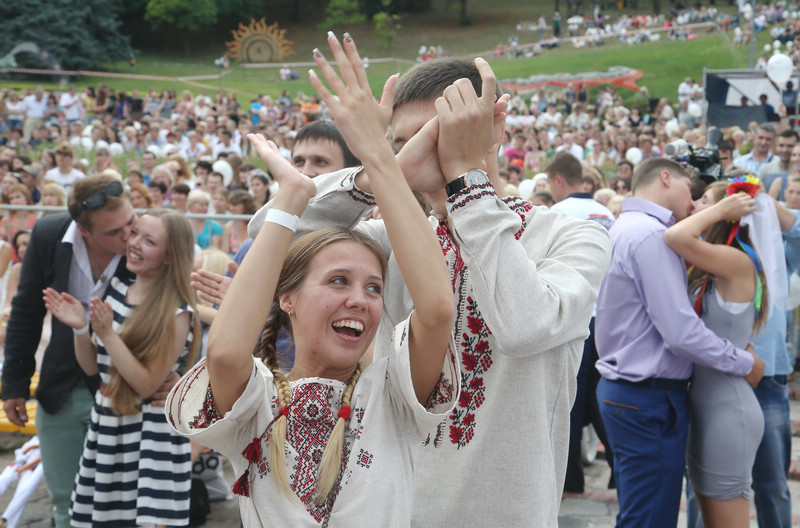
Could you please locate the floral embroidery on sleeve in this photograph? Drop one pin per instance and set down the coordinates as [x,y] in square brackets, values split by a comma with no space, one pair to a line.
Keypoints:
[208,413]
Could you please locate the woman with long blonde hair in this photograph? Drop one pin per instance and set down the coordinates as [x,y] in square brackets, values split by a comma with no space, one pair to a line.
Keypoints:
[134,469]
[327,443]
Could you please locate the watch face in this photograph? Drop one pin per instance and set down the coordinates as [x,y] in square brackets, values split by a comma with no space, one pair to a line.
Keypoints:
[475,177]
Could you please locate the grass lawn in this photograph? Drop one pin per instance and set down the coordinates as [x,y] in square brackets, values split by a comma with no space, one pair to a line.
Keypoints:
[665,63]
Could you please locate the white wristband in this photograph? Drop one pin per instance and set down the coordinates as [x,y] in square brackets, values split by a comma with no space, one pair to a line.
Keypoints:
[282,218]
[81,331]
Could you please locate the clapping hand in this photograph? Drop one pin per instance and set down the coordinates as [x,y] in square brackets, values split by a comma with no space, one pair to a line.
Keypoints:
[65,308]
[466,123]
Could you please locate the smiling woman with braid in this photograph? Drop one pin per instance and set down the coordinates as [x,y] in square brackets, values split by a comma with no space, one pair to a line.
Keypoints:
[327,443]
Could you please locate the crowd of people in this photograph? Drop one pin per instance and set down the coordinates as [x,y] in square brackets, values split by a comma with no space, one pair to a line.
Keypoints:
[287,365]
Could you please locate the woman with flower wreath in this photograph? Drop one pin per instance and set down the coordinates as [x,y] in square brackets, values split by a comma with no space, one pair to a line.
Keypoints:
[327,442]
[729,285]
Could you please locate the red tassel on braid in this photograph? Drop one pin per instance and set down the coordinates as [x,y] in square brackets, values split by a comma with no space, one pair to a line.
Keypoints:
[284,411]
[242,484]
[344,412]
[252,453]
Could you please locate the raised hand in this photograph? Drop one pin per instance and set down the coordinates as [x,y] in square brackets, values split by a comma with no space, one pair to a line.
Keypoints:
[736,206]
[210,286]
[466,123]
[65,308]
[102,317]
[354,109]
[280,168]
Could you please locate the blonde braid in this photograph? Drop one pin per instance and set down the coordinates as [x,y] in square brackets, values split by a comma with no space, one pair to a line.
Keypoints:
[331,461]
[277,456]
[267,351]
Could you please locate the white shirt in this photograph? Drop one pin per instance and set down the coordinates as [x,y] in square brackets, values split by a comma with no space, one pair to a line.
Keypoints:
[34,109]
[71,105]
[575,149]
[220,147]
[381,444]
[65,180]
[81,284]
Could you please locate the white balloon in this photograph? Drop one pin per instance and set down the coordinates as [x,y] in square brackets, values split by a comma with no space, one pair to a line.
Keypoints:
[671,127]
[695,110]
[75,141]
[87,142]
[779,68]
[776,44]
[116,149]
[634,155]
[526,189]
[789,45]
[767,48]
[101,143]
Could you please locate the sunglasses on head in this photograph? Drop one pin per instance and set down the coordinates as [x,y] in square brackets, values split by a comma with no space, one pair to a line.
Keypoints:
[97,200]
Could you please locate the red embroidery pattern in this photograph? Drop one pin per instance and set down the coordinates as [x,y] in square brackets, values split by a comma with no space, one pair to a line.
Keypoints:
[472,345]
[442,393]
[471,334]
[522,208]
[360,196]
[469,194]
[309,426]
[208,413]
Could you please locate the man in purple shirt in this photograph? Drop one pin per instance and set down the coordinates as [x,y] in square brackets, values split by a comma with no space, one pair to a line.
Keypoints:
[648,338]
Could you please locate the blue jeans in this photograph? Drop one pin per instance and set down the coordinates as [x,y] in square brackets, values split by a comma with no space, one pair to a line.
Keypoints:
[770,470]
[647,430]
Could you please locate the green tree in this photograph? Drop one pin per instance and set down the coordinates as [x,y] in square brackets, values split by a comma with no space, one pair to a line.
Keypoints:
[463,18]
[186,15]
[183,14]
[80,34]
[386,25]
[342,13]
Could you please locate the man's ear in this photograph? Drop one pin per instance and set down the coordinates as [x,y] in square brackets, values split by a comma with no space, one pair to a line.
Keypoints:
[666,179]
[83,231]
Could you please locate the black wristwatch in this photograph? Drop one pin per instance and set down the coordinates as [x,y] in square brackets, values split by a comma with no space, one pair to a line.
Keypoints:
[468,179]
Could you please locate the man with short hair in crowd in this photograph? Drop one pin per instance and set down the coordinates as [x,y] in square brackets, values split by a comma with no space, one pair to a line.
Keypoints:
[319,148]
[226,144]
[761,154]
[29,177]
[34,106]
[64,173]
[149,162]
[776,172]
[71,104]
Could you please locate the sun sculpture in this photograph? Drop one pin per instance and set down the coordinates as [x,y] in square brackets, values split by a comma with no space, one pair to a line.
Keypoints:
[259,42]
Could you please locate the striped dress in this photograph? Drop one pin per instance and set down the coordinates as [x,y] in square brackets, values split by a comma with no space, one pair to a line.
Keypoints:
[134,470]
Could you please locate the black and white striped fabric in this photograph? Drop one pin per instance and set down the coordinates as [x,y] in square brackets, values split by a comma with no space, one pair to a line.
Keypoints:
[134,470]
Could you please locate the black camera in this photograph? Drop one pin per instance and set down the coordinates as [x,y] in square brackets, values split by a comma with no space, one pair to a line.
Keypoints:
[705,161]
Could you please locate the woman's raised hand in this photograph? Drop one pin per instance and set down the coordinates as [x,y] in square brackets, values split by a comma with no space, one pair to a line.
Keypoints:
[358,115]
[102,316]
[65,308]
[736,206]
[287,176]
